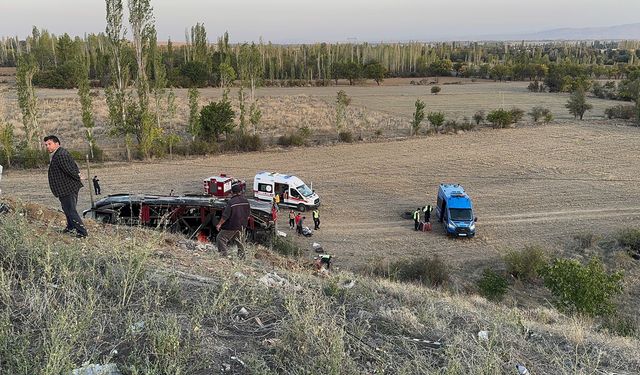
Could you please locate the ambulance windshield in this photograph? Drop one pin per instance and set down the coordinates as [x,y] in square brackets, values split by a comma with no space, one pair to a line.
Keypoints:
[304,190]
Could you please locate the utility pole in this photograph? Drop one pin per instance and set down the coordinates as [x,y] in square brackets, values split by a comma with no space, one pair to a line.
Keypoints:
[89,179]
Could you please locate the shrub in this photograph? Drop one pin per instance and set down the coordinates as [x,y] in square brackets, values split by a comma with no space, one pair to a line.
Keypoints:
[435,90]
[583,289]
[538,113]
[426,270]
[345,136]
[199,147]
[478,117]
[285,246]
[500,118]
[622,325]
[378,132]
[291,140]
[536,86]
[516,114]
[29,158]
[629,238]
[492,285]
[526,263]
[626,112]
[243,142]
[436,118]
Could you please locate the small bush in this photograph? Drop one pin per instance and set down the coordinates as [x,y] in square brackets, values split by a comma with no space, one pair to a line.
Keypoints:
[583,289]
[584,240]
[525,264]
[435,90]
[625,112]
[500,118]
[436,118]
[285,246]
[621,325]
[345,136]
[478,117]
[378,133]
[536,86]
[29,158]
[539,113]
[243,142]
[291,140]
[492,285]
[629,238]
[426,270]
[199,147]
[516,114]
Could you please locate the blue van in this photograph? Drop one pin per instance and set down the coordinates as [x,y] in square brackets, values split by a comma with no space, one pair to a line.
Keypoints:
[455,211]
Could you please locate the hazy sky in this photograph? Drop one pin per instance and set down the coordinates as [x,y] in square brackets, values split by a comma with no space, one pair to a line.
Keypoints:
[282,21]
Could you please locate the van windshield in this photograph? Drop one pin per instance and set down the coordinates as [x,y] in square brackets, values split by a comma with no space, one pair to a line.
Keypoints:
[304,190]
[461,214]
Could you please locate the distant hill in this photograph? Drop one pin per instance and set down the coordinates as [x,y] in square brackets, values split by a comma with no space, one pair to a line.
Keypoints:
[629,31]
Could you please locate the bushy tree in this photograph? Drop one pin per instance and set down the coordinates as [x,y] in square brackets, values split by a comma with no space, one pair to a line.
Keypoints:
[577,104]
[418,116]
[375,71]
[537,113]
[500,118]
[342,102]
[27,99]
[216,118]
[194,125]
[586,289]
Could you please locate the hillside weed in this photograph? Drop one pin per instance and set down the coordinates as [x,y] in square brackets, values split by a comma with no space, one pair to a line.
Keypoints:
[629,238]
[577,288]
[492,285]
[285,246]
[525,264]
[425,270]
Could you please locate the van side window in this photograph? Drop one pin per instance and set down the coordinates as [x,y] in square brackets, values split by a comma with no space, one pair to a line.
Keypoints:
[295,194]
[265,188]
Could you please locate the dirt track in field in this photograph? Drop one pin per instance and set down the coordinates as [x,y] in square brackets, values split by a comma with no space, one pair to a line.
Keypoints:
[531,185]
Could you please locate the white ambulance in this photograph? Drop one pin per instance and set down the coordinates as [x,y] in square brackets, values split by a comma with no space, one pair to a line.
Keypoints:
[293,191]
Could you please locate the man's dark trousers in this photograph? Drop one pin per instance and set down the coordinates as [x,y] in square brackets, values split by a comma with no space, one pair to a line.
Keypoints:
[74,221]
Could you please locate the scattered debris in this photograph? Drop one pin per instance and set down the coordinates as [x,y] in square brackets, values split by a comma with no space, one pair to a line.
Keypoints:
[272,279]
[137,327]
[243,312]
[429,343]
[348,284]
[522,370]
[239,275]
[234,358]
[93,369]
[281,233]
[483,335]
[317,247]
[270,342]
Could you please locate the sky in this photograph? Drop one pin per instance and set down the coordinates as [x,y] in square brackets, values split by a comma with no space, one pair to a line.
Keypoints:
[306,21]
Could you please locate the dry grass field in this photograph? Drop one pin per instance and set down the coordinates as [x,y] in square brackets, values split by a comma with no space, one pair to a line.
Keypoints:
[387,109]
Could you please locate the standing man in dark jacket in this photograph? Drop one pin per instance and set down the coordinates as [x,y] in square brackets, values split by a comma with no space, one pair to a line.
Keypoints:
[233,221]
[64,181]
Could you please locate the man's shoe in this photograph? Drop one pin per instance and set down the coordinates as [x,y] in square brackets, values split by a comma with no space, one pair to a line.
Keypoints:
[67,230]
[81,235]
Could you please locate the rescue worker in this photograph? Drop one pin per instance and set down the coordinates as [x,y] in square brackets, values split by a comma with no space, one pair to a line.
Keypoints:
[96,184]
[292,219]
[427,213]
[316,219]
[416,218]
[233,222]
[276,199]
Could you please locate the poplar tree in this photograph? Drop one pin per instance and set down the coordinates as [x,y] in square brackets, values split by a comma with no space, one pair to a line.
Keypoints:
[86,105]
[7,137]
[27,99]
[116,91]
[194,113]
[418,116]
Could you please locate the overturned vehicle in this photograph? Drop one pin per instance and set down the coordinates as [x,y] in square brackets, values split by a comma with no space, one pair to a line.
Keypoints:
[193,216]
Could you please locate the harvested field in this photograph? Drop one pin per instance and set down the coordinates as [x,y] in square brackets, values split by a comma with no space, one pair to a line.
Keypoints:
[530,185]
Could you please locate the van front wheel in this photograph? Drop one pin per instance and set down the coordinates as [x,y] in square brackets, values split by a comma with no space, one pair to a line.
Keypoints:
[302,207]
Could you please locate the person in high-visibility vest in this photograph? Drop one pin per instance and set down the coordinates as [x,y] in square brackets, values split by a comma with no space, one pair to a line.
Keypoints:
[427,213]
[276,199]
[416,218]
[316,219]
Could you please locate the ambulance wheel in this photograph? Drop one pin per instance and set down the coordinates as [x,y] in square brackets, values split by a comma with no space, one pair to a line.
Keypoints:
[302,207]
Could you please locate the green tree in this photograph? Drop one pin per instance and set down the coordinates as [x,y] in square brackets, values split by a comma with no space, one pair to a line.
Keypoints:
[27,99]
[216,118]
[172,137]
[7,140]
[342,102]
[86,107]
[243,111]
[586,289]
[255,115]
[116,91]
[418,116]
[577,104]
[250,67]
[376,72]
[353,72]
[194,125]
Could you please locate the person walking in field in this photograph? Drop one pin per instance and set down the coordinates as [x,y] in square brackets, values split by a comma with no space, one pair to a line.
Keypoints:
[233,223]
[96,185]
[316,219]
[416,218]
[65,183]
